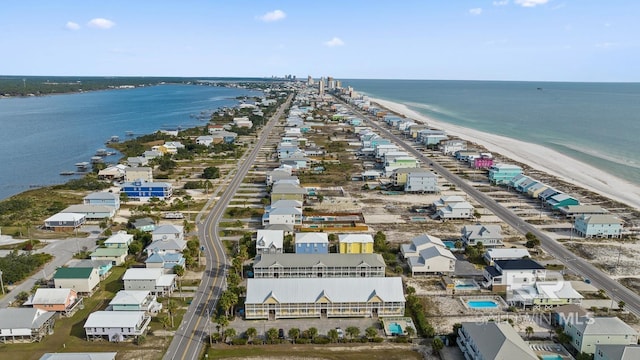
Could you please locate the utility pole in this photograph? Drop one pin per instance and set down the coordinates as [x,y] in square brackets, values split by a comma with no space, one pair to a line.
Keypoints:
[1,283]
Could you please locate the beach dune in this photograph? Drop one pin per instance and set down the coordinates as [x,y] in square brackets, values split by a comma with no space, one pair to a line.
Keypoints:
[536,156]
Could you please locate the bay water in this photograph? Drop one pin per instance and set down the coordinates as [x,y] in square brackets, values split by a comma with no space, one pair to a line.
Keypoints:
[40,137]
[594,123]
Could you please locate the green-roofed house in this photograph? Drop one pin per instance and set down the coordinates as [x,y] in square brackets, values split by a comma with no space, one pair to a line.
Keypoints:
[117,256]
[82,280]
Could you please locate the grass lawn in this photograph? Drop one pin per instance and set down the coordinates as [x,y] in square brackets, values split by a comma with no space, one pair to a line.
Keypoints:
[328,352]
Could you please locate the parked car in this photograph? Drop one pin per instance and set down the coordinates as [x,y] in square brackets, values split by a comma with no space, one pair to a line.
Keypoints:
[281,333]
[340,333]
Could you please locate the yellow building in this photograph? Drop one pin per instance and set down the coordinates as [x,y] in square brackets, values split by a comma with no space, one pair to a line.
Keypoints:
[355,243]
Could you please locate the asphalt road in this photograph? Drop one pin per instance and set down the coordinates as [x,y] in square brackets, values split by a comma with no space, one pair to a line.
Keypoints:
[62,251]
[196,325]
[576,264]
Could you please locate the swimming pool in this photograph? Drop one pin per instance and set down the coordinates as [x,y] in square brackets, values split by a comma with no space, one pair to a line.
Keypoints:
[482,304]
[395,329]
[449,244]
[551,357]
[466,284]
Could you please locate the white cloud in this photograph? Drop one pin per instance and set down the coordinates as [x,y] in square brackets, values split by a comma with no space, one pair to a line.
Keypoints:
[70,25]
[271,16]
[475,11]
[100,23]
[531,3]
[501,3]
[336,41]
[606,45]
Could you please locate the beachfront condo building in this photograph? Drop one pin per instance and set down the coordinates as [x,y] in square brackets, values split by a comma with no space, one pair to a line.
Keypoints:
[502,174]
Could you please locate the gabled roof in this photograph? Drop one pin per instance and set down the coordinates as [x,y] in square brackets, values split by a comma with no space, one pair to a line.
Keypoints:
[128,297]
[101,195]
[602,219]
[287,189]
[603,326]
[498,341]
[355,238]
[168,229]
[269,238]
[73,273]
[328,260]
[307,290]
[482,232]
[142,274]
[67,216]
[619,352]
[23,318]
[311,238]
[109,252]
[82,208]
[51,296]
[286,203]
[120,237]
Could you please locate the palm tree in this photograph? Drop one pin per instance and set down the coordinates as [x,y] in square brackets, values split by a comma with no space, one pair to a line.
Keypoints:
[371,332]
[528,331]
[272,335]
[172,307]
[222,322]
[352,331]
[294,333]
[251,333]
[313,332]
[333,335]
[229,333]
[411,332]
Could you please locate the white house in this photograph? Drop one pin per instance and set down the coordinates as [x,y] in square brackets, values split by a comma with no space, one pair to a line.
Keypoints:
[65,221]
[103,198]
[509,275]
[449,147]
[120,240]
[20,324]
[462,210]
[205,140]
[135,300]
[282,215]
[91,212]
[116,326]
[82,280]
[489,235]
[492,255]
[421,181]
[151,279]
[427,254]
[269,241]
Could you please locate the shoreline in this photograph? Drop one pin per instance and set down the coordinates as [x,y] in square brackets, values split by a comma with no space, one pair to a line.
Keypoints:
[535,156]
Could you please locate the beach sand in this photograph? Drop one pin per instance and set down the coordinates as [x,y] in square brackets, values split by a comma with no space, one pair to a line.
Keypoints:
[535,156]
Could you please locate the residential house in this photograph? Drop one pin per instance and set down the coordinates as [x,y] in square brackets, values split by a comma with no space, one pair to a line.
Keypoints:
[324,297]
[297,161]
[491,255]
[164,260]
[461,210]
[65,222]
[400,162]
[287,192]
[117,256]
[355,243]
[213,128]
[282,215]
[547,292]
[144,224]
[151,154]
[25,324]
[269,241]
[82,280]
[170,147]
[312,243]
[560,200]
[135,300]
[64,301]
[328,265]
[103,266]
[501,174]
[242,122]
[421,181]
[547,193]
[116,326]
[482,162]
[617,352]
[447,200]
[168,231]
[449,147]
[119,240]
[132,174]
[587,332]
[153,280]
[137,161]
[566,313]
[143,191]
[509,275]
[427,255]
[227,137]
[574,211]
[91,212]
[80,356]
[111,173]
[205,140]
[489,235]
[277,174]
[535,189]
[103,198]
[492,340]
[601,226]
[399,176]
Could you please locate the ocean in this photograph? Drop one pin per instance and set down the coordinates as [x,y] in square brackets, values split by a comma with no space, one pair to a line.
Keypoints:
[43,136]
[594,123]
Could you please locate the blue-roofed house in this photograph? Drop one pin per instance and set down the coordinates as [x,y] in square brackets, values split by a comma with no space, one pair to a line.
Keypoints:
[165,260]
[523,186]
[547,193]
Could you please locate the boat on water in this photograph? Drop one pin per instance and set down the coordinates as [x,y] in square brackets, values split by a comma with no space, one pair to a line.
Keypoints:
[67,173]
[112,140]
[83,166]
[96,159]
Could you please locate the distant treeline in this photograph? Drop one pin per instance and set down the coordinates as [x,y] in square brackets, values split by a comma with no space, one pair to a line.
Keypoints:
[46,85]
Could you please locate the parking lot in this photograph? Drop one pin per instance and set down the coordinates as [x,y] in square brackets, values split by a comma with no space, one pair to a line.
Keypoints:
[323,325]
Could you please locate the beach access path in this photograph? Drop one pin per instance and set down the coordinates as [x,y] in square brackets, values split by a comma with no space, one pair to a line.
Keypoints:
[536,156]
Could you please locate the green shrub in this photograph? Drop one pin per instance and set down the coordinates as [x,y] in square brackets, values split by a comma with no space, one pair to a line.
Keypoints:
[321,340]
[239,341]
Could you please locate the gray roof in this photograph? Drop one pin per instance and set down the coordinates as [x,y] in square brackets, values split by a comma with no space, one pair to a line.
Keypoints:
[81,208]
[603,326]
[128,297]
[498,341]
[50,296]
[479,232]
[95,264]
[283,227]
[23,318]
[329,260]
[602,219]
[80,356]
[339,290]
[619,352]
[101,195]
[113,319]
[287,189]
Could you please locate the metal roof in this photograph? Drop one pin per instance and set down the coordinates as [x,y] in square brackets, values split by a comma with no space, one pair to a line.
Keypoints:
[311,238]
[73,273]
[498,341]
[340,290]
[80,356]
[113,319]
[142,274]
[23,318]
[355,238]
[329,260]
[45,296]
[127,297]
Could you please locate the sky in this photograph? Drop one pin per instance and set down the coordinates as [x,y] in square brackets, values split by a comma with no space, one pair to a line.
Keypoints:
[535,40]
